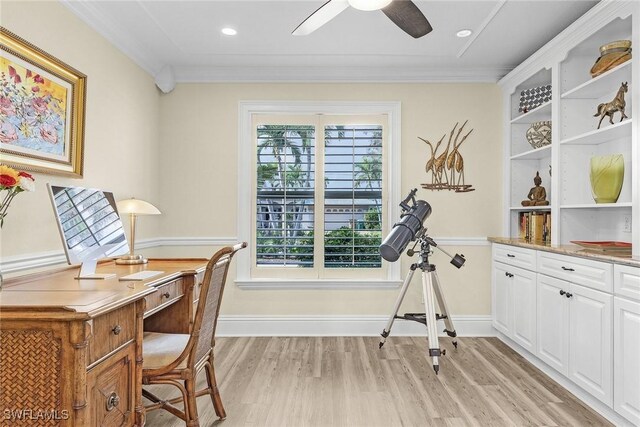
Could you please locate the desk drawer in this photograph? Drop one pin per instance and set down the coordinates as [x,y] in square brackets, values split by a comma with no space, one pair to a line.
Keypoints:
[163,294]
[111,388]
[515,256]
[110,331]
[586,272]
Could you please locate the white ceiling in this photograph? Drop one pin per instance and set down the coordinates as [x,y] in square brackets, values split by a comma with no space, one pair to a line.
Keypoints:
[181,40]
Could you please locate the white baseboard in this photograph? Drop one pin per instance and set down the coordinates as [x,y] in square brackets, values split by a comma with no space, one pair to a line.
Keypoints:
[369,325]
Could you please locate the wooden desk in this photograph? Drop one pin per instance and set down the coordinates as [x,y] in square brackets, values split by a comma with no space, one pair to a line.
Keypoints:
[71,350]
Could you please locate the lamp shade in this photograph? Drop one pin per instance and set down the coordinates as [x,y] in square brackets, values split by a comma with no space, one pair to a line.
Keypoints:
[137,207]
[369,4]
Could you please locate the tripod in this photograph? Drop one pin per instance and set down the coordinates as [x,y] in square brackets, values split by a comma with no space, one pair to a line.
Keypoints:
[430,288]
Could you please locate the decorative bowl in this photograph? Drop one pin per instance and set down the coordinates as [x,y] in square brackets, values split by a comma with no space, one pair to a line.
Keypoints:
[539,134]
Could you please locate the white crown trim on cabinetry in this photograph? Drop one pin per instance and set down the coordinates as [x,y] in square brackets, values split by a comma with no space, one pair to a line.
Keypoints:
[556,50]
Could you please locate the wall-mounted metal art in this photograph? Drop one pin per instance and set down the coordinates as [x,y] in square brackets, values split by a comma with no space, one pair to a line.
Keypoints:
[447,168]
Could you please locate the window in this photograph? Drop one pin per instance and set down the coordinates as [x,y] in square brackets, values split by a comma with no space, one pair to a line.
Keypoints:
[320,188]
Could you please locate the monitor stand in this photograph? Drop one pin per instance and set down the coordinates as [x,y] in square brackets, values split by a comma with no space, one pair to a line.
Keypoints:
[88,271]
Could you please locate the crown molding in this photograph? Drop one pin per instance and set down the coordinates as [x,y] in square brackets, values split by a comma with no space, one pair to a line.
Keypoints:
[138,53]
[354,74]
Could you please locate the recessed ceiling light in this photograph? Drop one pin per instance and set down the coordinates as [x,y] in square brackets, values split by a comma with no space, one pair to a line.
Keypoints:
[369,4]
[229,31]
[464,33]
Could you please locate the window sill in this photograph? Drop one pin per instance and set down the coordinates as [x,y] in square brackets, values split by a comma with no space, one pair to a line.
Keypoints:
[317,284]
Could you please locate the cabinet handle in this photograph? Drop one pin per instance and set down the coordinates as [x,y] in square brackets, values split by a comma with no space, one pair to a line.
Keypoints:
[569,295]
[165,295]
[562,292]
[511,256]
[567,269]
[508,274]
[116,330]
[112,401]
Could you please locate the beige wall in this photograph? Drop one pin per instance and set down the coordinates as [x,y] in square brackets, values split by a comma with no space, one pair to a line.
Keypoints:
[122,124]
[200,137]
[180,151]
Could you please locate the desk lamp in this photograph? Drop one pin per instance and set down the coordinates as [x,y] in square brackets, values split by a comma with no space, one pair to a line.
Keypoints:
[135,207]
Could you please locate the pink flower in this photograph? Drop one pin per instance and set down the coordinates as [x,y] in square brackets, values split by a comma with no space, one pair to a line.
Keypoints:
[28,73]
[7,133]
[38,79]
[39,104]
[6,107]
[48,133]
[35,89]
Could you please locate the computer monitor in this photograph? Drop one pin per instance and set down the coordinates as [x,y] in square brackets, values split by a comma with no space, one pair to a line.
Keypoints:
[89,225]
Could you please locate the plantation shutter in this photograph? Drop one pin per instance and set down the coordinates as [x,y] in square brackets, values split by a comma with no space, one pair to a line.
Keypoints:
[352,196]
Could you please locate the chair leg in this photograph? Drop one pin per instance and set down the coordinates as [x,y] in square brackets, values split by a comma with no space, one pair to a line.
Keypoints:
[190,403]
[213,387]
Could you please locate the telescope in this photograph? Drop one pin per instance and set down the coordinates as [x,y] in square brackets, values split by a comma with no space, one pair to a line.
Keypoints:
[411,228]
[407,229]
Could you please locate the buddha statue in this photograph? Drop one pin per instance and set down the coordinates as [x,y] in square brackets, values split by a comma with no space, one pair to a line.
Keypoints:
[537,195]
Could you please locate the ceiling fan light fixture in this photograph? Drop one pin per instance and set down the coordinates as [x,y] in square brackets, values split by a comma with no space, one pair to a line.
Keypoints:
[228,31]
[369,4]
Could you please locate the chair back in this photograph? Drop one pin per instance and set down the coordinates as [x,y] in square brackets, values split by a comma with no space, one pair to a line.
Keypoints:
[206,317]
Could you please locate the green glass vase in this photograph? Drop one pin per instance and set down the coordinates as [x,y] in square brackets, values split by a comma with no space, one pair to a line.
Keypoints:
[607,176]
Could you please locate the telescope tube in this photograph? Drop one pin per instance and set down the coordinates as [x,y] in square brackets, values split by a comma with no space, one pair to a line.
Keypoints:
[405,231]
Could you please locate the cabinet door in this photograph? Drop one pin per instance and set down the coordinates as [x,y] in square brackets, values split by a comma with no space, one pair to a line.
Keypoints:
[111,389]
[523,292]
[626,339]
[591,342]
[552,342]
[501,298]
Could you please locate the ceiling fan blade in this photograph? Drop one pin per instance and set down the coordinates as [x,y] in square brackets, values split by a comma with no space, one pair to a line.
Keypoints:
[317,19]
[406,15]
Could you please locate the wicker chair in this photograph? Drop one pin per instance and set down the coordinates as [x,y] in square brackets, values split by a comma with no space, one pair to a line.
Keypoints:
[177,358]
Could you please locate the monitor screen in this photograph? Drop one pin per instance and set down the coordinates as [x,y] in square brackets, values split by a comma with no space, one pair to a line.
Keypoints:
[89,223]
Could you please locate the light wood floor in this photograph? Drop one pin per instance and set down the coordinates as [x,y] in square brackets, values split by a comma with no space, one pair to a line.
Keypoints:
[348,381]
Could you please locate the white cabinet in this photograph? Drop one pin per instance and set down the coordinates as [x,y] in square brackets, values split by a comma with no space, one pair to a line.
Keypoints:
[626,327]
[514,296]
[553,323]
[575,334]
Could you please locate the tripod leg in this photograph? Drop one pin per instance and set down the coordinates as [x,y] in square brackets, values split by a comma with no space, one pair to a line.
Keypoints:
[450,329]
[430,313]
[403,291]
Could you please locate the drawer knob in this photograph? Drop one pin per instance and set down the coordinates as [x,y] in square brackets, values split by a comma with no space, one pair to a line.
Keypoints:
[112,401]
[569,295]
[116,330]
[508,274]
[165,295]
[511,256]
[562,292]
[567,268]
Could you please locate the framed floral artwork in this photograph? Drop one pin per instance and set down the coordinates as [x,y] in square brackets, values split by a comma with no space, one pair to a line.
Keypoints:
[42,109]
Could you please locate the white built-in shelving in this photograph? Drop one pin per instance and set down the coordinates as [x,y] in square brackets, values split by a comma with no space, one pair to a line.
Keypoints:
[564,165]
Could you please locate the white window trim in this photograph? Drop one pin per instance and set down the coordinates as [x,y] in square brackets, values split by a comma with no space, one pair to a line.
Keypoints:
[245,172]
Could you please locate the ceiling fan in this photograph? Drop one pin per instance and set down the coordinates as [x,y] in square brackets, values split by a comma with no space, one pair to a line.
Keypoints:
[404,13]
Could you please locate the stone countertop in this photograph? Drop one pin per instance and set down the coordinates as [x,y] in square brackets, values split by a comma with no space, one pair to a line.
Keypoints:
[572,250]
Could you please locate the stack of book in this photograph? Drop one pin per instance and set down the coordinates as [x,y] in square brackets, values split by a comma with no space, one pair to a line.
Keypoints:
[535,226]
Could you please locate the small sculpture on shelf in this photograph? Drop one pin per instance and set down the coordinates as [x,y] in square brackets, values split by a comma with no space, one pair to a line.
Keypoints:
[609,108]
[537,195]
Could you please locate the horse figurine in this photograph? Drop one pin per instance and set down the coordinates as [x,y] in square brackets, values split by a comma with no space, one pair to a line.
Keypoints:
[618,104]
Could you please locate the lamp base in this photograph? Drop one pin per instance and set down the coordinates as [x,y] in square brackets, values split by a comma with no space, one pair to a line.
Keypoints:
[132,260]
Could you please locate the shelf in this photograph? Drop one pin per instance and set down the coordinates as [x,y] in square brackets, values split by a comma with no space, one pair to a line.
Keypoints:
[606,83]
[535,154]
[599,136]
[598,206]
[542,112]
[530,208]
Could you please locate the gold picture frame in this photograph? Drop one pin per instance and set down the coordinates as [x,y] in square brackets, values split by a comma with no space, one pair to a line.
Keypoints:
[42,109]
